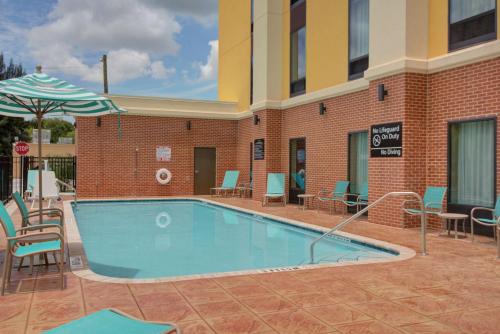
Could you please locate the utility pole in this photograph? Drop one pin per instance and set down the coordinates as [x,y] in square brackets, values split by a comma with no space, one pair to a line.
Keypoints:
[104,60]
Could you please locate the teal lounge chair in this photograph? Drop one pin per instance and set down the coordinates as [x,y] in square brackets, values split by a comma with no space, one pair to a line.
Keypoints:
[30,183]
[338,195]
[361,198]
[27,215]
[433,202]
[492,222]
[21,243]
[228,185]
[113,321]
[275,188]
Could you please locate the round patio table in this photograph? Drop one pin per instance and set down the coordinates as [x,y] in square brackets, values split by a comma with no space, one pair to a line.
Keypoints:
[449,217]
[307,200]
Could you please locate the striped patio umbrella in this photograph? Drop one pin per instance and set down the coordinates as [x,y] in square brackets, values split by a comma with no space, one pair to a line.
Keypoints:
[39,94]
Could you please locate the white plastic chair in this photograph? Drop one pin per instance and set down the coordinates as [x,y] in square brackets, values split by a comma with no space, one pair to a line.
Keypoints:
[50,190]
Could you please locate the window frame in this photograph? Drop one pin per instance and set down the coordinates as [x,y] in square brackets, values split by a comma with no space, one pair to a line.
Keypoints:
[300,81]
[467,207]
[361,74]
[477,40]
[349,135]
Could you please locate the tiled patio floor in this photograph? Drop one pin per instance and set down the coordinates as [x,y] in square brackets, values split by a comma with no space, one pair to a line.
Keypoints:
[455,289]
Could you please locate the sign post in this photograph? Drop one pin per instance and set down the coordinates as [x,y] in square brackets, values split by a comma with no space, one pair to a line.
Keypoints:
[386,140]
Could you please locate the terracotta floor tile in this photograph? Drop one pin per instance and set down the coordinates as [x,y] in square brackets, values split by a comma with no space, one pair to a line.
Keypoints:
[245,323]
[245,291]
[14,308]
[311,299]
[352,295]
[394,293]
[432,327]
[477,322]
[175,312]
[218,309]
[206,296]
[268,304]
[44,326]
[55,311]
[368,327]
[393,314]
[158,298]
[429,306]
[145,289]
[232,281]
[337,314]
[296,322]
[195,327]
[12,327]
[196,285]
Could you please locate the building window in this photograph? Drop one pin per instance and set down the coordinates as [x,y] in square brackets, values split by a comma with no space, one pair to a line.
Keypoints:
[471,22]
[359,24]
[297,47]
[472,163]
[251,51]
[358,161]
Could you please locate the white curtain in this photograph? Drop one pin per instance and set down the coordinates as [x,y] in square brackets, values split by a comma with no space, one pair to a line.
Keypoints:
[359,161]
[462,9]
[474,163]
[359,22]
[298,50]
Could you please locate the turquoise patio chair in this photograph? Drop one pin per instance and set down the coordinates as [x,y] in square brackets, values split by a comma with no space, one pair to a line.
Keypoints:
[22,244]
[228,184]
[47,212]
[30,183]
[113,321]
[489,222]
[361,197]
[338,195]
[299,180]
[275,188]
[433,202]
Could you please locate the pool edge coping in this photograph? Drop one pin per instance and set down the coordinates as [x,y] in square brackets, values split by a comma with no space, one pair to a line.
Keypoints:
[76,249]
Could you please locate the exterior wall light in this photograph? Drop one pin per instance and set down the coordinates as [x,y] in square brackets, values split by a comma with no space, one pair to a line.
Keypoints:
[98,122]
[382,92]
[322,108]
[256,119]
[188,125]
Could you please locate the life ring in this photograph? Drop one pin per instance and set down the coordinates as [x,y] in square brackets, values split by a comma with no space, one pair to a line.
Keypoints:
[163,219]
[163,176]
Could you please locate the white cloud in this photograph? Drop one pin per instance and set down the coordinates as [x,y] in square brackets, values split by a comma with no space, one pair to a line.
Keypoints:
[203,11]
[208,71]
[135,34]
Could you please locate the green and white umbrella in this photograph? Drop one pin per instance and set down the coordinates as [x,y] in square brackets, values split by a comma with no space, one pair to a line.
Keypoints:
[39,94]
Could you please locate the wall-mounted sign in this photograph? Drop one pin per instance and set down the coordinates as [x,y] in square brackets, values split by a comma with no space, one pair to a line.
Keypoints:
[258,149]
[387,140]
[163,153]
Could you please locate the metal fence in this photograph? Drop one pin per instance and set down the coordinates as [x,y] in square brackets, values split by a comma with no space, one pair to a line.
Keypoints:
[14,172]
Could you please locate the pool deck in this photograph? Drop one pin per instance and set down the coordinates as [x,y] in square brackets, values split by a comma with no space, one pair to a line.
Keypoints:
[454,289]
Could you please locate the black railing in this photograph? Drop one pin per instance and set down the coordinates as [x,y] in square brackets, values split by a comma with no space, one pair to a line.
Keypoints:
[14,173]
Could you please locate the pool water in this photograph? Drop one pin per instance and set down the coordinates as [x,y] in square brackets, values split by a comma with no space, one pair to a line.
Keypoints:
[157,239]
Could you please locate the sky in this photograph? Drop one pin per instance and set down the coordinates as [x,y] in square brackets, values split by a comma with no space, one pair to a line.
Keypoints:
[165,48]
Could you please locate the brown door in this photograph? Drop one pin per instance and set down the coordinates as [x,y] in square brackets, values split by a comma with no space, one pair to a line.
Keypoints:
[204,170]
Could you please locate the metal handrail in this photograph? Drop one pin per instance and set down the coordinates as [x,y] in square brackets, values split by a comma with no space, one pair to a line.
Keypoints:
[359,213]
[70,187]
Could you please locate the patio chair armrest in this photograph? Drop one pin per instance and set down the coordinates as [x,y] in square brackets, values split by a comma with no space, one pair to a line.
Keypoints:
[40,227]
[37,237]
[46,212]
[480,208]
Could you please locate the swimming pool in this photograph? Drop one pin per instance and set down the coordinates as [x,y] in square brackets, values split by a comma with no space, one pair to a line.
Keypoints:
[171,238]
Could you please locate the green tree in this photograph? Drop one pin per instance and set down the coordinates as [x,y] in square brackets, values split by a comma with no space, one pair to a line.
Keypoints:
[11,127]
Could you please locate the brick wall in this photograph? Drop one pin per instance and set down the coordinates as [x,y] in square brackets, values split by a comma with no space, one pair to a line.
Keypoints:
[108,166]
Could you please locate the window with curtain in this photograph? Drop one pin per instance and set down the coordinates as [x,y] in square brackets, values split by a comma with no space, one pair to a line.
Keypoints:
[358,160]
[471,22]
[297,47]
[472,163]
[359,24]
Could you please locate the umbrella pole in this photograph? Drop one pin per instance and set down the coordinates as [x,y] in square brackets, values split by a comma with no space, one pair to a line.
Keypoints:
[40,198]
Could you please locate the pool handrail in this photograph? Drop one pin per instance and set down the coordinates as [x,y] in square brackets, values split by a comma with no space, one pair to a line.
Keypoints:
[423,218]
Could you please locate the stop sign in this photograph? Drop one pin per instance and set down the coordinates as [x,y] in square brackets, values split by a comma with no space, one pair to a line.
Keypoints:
[22,148]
